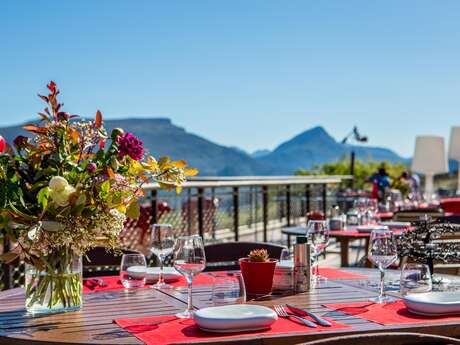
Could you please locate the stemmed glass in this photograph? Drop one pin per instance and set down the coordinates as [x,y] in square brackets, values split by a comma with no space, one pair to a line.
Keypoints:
[372,209]
[382,254]
[189,260]
[361,205]
[162,246]
[318,234]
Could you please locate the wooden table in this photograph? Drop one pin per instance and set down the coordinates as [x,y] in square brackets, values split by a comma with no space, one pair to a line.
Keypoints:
[94,323]
[343,237]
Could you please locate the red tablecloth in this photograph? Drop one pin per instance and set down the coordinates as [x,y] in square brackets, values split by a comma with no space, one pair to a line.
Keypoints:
[337,274]
[163,330]
[388,313]
[114,283]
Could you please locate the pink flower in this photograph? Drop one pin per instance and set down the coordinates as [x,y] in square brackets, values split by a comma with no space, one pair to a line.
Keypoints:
[91,168]
[129,145]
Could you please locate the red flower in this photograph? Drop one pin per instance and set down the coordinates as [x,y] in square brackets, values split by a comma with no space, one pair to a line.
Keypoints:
[52,87]
[129,145]
[2,144]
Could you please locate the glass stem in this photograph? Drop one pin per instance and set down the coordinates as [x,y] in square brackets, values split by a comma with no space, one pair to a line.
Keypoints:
[189,299]
[161,276]
[382,282]
[317,265]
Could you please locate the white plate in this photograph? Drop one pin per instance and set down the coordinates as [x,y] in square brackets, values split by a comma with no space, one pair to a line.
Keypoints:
[235,318]
[152,273]
[433,303]
[370,228]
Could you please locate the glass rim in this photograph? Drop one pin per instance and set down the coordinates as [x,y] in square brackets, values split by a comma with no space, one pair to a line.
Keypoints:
[162,224]
[134,254]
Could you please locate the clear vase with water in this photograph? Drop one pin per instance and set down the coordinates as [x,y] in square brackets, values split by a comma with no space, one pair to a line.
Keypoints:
[55,287]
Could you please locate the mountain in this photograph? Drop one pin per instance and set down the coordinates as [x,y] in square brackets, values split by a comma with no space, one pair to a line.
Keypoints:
[260,153]
[161,137]
[316,146]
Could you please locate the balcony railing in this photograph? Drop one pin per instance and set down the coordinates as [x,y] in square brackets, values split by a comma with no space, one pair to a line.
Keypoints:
[222,209]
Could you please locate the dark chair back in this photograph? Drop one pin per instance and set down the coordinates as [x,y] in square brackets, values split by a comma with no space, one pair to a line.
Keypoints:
[394,338]
[99,262]
[414,215]
[225,256]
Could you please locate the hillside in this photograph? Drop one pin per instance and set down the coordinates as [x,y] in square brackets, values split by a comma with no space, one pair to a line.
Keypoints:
[316,146]
[161,137]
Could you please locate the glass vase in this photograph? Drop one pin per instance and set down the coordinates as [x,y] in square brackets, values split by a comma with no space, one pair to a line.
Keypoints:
[56,286]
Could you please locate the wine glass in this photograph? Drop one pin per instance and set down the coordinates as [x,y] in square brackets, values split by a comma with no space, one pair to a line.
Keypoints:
[318,234]
[382,254]
[372,209]
[189,260]
[162,246]
[361,205]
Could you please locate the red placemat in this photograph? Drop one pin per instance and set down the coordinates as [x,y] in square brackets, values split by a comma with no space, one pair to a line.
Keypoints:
[114,283]
[335,273]
[163,330]
[394,313]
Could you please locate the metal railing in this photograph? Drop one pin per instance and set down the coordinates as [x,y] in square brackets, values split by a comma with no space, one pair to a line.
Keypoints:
[223,209]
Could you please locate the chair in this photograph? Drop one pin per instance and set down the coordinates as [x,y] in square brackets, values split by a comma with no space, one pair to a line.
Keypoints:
[99,262]
[396,338]
[450,205]
[225,256]
[414,215]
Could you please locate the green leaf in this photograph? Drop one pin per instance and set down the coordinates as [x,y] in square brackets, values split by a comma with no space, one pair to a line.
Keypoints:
[43,196]
[105,187]
[133,211]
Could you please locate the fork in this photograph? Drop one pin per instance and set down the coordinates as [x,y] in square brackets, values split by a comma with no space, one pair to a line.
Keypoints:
[279,309]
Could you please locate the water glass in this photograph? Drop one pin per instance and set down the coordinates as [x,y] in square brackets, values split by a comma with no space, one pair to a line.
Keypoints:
[318,234]
[162,246]
[415,278]
[228,288]
[285,255]
[133,270]
[189,260]
[383,253]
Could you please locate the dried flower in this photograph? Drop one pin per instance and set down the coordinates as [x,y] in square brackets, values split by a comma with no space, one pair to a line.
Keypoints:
[131,146]
[20,141]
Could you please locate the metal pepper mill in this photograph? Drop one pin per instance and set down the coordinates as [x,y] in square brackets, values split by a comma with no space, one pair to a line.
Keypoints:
[302,265]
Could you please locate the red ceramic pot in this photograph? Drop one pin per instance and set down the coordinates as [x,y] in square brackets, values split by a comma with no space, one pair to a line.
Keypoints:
[258,276]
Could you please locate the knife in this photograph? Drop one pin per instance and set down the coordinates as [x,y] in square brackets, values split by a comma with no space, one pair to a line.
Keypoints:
[304,312]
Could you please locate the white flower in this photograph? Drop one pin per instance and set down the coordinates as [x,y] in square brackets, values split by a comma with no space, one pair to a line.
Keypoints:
[61,197]
[58,183]
[34,230]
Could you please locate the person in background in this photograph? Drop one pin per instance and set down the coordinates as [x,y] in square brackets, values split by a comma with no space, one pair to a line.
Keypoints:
[380,183]
[413,182]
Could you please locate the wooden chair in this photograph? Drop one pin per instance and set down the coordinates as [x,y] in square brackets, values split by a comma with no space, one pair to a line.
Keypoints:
[225,256]
[396,338]
[414,215]
[99,262]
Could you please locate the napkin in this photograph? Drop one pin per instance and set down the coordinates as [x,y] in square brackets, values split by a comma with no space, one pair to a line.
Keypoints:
[390,313]
[163,330]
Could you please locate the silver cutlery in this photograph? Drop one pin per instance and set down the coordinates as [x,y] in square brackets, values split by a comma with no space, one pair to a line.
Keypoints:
[100,282]
[304,312]
[279,309]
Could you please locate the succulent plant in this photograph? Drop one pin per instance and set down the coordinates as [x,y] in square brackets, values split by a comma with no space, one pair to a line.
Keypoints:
[258,255]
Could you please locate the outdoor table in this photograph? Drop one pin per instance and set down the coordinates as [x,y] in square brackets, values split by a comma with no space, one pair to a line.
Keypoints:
[93,324]
[343,237]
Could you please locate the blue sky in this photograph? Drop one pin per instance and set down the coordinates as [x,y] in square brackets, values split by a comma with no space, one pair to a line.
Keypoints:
[245,73]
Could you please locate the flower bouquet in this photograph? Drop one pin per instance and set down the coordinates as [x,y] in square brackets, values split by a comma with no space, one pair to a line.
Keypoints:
[67,188]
